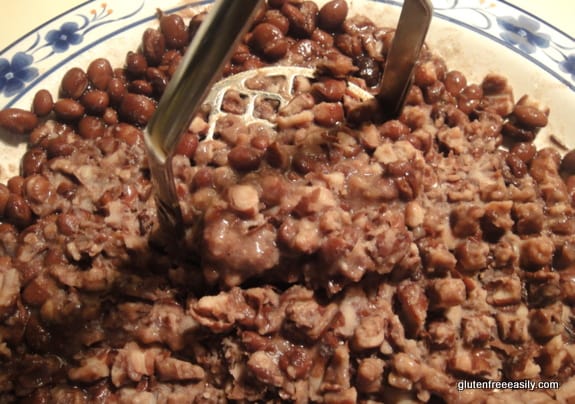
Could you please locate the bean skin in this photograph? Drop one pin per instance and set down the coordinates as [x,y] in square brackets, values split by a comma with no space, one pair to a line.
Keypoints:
[74,83]
[43,103]
[100,73]
[302,20]
[18,120]
[68,109]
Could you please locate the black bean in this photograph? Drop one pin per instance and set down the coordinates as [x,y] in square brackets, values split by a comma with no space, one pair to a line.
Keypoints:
[95,102]
[136,64]
[175,31]
[17,211]
[43,103]
[33,161]
[74,83]
[369,70]
[153,46]
[91,127]
[68,109]
[268,39]
[137,109]
[100,73]
[332,15]
[568,163]
[18,120]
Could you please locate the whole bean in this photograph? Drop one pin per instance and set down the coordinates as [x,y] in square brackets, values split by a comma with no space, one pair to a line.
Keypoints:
[187,145]
[455,82]
[17,211]
[269,40]
[175,31]
[136,64]
[153,46]
[100,73]
[568,163]
[116,90]
[369,70]
[4,194]
[529,116]
[332,15]
[33,161]
[68,109]
[141,87]
[95,102]
[37,188]
[275,17]
[18,120]
[68,224]
[16,184]
[137,109]
[74,83]
[517,166]
[91,127]
[524,151]
[43,103]
[245,158]
[393,129]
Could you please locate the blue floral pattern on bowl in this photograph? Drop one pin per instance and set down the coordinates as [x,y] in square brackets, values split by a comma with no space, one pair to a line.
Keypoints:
[15,74]
[61,39]
[523,32]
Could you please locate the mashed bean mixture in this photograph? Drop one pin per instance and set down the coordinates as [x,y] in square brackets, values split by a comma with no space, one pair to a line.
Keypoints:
[329,258]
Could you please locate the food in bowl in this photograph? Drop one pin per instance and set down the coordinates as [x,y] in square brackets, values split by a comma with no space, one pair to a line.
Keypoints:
[328,258]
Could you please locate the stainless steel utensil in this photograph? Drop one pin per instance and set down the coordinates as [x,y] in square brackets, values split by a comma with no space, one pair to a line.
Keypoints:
[204,60]
[207,54]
